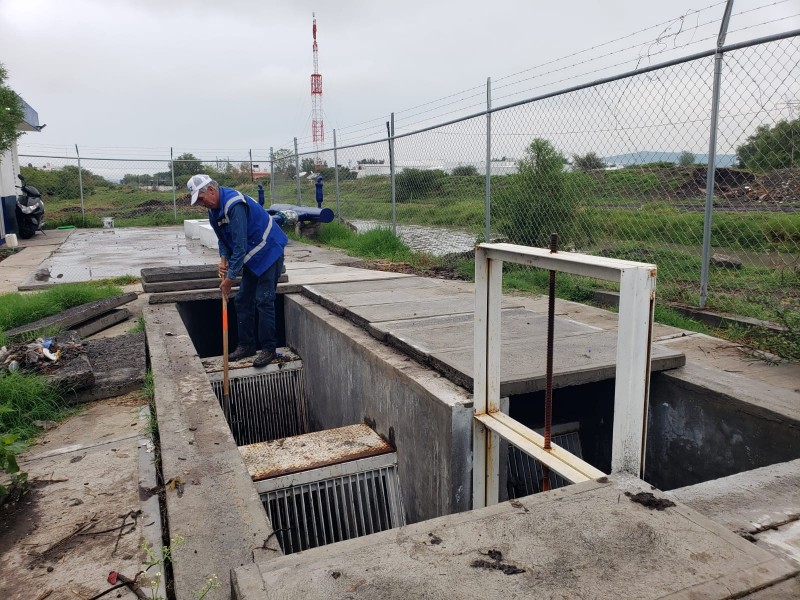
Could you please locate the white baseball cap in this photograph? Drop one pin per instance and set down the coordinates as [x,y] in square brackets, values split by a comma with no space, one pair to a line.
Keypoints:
[196,183]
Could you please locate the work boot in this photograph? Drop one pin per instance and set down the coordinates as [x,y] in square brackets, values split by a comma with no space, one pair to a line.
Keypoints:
[264,357]
[242,352]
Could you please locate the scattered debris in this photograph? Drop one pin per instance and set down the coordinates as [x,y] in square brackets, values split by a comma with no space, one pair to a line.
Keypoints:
[336,574]
[46,425]
[176,483]
[435,539]
[496,564]
[114,576]
[648,500]
[518,504]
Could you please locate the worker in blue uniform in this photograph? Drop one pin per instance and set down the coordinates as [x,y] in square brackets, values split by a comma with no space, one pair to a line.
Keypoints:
[251,244]
[318,190]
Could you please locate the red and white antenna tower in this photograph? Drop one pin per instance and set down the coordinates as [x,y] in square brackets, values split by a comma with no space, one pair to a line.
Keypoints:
[317,126]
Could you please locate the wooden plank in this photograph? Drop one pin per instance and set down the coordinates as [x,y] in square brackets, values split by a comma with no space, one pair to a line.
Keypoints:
[180,273]
[103,322]
[73,316]
[569,466]
[182,285]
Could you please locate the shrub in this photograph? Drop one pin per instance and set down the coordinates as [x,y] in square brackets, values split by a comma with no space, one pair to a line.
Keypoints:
[588,162]
[418,183]
[465,171]
[534,202]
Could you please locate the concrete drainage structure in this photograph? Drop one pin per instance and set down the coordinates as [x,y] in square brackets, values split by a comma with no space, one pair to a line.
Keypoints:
[349,378]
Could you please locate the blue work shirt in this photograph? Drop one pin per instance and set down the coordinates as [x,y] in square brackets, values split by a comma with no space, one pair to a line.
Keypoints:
[238,224]
[247,234]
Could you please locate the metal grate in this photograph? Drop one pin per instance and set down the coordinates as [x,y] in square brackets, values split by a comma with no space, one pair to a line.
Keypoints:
[525,473]
[265,405]
[306,513]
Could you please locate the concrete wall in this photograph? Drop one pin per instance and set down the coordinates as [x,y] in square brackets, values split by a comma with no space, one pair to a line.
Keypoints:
[9,168]
[696,434]
[353,378]
[218,511]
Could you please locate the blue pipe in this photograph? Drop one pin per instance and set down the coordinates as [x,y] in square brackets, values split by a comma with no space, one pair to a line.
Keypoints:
[261,194]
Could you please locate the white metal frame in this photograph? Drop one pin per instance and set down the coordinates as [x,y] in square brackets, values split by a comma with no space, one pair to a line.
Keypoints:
[637,296]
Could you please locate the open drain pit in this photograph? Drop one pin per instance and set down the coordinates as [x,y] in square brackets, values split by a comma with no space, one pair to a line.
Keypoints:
[263,404]
[327,486]
[316,488]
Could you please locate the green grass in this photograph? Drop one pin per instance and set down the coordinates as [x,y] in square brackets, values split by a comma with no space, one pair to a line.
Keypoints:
[138,327]
[377,243]
[18,309]
[149,388]
[27,398]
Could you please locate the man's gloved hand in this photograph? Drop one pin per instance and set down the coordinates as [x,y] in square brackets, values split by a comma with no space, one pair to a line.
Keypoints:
[222,268]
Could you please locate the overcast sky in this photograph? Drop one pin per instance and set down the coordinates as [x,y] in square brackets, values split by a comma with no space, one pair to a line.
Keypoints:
[125,77]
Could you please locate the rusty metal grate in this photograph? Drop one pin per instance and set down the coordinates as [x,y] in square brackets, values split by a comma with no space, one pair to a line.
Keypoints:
[334,503]
[525,473]
[264,404]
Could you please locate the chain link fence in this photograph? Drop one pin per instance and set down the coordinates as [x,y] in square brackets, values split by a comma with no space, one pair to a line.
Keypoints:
[618,168]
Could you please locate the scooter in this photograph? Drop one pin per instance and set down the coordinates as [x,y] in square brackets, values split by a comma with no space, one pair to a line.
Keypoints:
[30,210]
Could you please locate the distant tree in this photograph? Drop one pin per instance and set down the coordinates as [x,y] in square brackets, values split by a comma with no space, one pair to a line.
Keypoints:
[534,202]
[588,162]
[329,173]
[414,184]
[776,147]
[61,183]
[370,161]
[10,113]
[283,164]
[686,159]
[307,165]
[185,166]
[465,171]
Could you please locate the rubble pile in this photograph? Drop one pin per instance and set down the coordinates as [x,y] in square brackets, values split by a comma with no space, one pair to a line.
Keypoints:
[43,355]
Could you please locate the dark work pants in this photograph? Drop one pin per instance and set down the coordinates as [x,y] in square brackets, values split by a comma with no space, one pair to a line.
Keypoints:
[258,294]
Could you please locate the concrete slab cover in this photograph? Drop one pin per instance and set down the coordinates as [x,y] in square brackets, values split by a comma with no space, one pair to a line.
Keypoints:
[559,544]
[312,450]
[577,360]
[763,504]
[432,321]
[119,364]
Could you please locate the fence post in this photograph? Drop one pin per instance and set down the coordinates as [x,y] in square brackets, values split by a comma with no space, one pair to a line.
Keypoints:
[336,176]
[297,173]
[488,159]
[271,176]
[391,172]
[174,197]
[252,179]
[80,184]
[712,154]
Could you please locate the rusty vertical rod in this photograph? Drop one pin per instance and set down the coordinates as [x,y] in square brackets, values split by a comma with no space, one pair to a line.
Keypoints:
[548,394]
